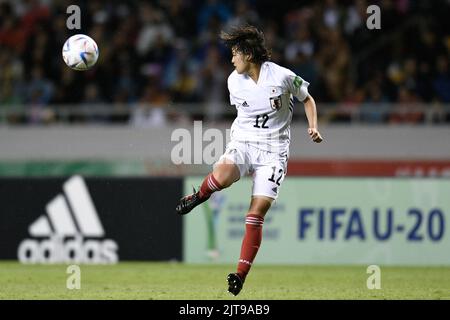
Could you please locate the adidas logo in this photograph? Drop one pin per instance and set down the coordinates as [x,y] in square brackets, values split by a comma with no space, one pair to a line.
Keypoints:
[245,104]
[70,216]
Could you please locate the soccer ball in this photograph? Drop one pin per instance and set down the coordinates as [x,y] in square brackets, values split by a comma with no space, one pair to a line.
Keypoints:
[80,52]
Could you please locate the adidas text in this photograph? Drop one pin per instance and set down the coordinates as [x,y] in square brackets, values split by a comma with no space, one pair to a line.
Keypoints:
[73,250]
[70,232]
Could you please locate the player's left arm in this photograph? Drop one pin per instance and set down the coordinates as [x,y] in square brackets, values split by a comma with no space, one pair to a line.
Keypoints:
[311,115]
[299,88]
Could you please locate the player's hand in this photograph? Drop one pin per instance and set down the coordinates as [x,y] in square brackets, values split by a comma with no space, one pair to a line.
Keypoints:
[315,135]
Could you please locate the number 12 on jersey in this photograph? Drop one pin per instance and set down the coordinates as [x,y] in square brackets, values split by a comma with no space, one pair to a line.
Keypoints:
[265,118]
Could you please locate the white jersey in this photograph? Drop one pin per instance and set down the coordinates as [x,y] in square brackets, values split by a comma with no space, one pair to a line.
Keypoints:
[264,109]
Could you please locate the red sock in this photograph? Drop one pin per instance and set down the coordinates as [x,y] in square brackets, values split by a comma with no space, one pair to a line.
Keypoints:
[209,186]
[250,243]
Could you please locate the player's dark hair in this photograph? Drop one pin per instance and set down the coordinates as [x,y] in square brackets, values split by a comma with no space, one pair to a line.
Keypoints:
[248,40]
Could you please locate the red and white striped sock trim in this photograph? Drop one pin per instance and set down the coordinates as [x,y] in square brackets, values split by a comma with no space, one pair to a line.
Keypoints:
[209,185]
[212,183]
[245,261]
[254,220]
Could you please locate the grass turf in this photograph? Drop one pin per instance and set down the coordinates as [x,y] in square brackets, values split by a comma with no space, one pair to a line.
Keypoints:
[173,281]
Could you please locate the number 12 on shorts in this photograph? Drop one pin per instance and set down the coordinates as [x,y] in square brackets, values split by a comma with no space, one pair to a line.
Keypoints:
[280,173]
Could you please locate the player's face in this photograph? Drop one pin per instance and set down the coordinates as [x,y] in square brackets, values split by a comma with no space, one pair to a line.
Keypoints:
[239,61]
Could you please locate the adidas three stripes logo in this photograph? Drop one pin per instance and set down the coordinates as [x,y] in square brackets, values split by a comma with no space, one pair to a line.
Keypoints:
[69,214]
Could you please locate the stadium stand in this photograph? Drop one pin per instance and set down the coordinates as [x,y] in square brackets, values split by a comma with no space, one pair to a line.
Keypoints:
[159,65]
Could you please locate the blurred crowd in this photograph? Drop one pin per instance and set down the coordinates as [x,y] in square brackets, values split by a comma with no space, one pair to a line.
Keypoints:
[155,54]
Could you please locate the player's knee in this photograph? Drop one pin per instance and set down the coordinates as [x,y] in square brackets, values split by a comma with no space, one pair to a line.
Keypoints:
[226,175]
[260,205]
[225,179]
[257,212]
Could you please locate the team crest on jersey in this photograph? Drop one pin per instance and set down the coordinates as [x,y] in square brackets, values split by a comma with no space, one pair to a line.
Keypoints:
[275,102]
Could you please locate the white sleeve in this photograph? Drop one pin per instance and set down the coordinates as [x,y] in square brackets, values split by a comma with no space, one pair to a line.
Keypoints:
[230,90]
[296,85]
[232,101]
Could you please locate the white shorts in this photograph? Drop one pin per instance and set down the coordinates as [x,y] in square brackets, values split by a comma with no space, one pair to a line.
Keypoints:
[267,168]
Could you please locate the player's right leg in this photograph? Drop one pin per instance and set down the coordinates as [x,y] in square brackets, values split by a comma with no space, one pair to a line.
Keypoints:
[225,173]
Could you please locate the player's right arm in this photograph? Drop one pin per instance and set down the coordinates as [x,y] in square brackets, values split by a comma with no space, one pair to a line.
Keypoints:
[230,88]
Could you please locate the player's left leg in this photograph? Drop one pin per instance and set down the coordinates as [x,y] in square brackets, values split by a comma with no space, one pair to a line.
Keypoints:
[252,240]
[253,233]
[269,173]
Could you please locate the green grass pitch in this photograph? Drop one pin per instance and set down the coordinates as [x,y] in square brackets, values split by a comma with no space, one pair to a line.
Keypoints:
[174,281]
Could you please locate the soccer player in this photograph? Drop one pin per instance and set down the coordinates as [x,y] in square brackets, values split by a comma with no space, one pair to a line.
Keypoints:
[262,92]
